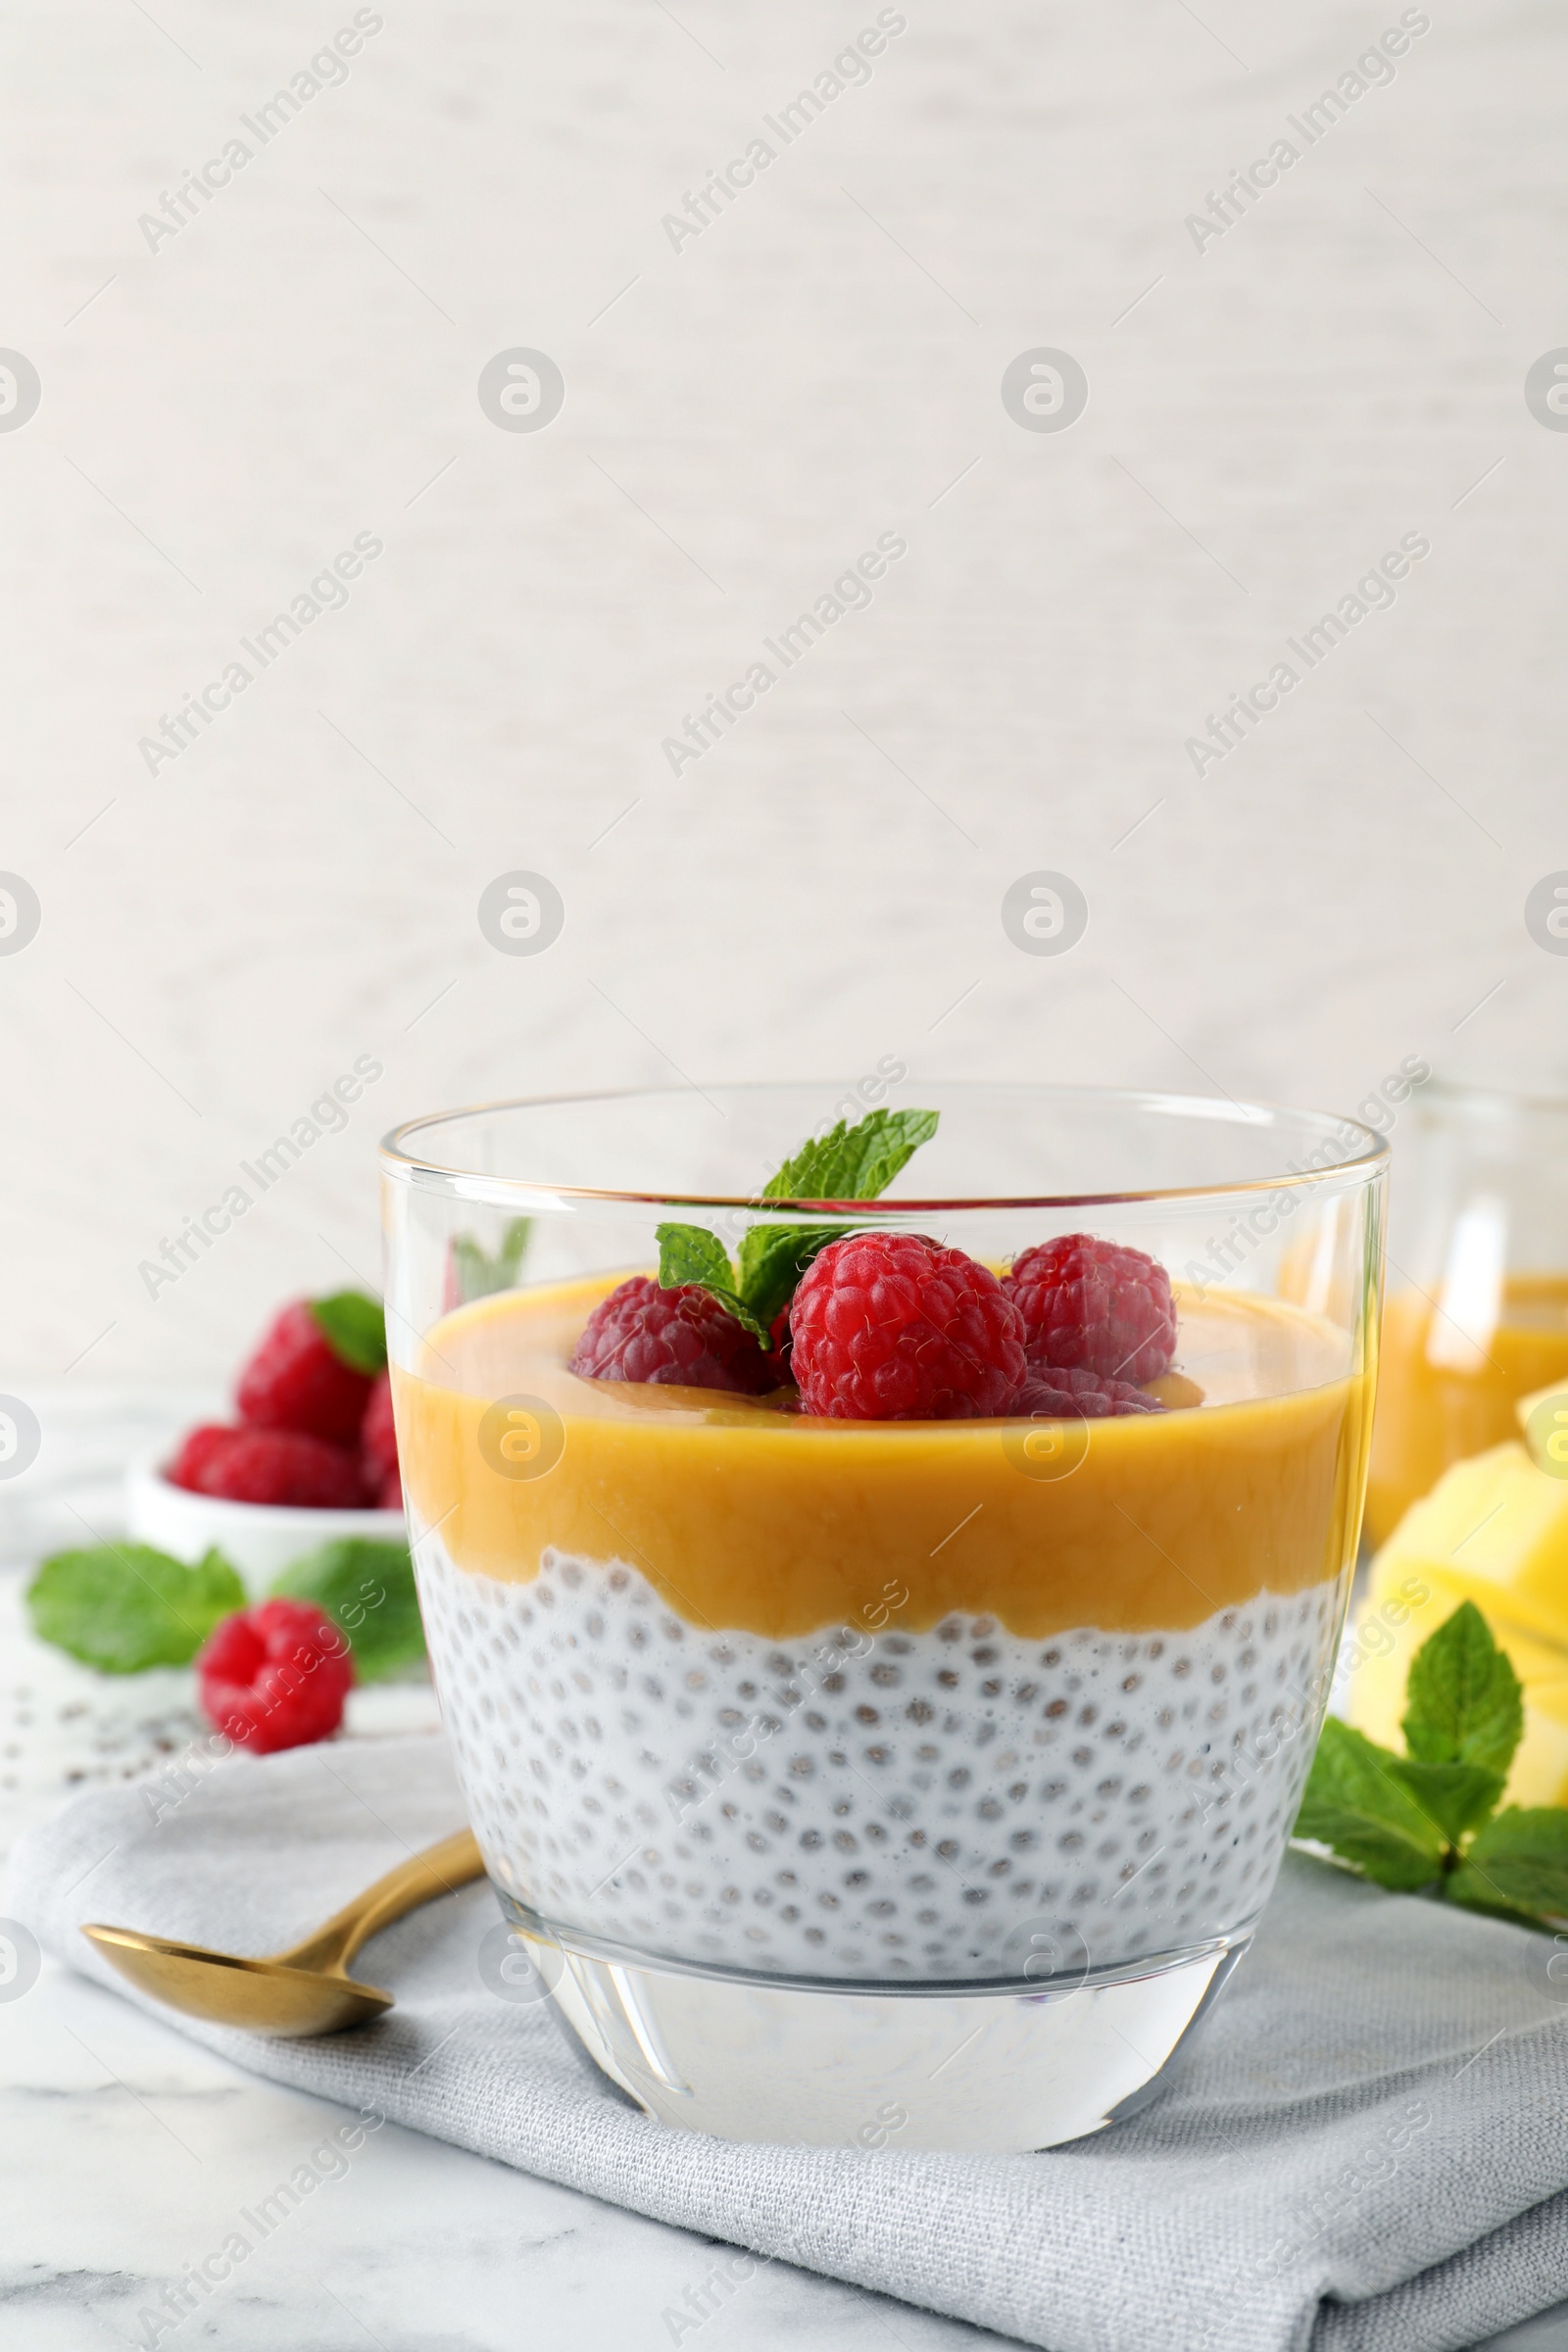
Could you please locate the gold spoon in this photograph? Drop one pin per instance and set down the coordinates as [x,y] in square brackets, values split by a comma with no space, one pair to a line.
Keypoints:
[306,1989]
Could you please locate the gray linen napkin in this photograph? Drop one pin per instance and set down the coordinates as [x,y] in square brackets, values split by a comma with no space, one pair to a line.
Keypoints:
[1367,2149]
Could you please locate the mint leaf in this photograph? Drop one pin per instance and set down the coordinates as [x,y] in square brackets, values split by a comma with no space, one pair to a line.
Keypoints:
[125,1607]
[1463,1703]
[478,1273]
[1452,1796]
[848,1163]
[691,1253]
[355,1328]
[853,1163]
[1519,1862]
[773,1258]
[1356,1804]
[367,1588]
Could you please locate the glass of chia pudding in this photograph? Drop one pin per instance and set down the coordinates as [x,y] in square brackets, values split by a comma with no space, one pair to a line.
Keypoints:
[883,1556]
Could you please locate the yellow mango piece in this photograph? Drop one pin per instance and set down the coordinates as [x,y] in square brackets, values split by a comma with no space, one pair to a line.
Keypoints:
[1540,1774]
[1495,1528]
[1411,1597]
[1407,1602]
[1378,1655]
[1544,1419]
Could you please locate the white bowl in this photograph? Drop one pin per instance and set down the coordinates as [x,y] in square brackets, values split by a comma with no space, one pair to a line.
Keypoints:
[260,1538]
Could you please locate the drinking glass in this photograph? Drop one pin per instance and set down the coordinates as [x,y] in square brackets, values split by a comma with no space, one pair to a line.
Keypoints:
[882,1783]
[1478,1305]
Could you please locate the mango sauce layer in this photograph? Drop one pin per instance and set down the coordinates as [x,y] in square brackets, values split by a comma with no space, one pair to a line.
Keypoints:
[743,1514]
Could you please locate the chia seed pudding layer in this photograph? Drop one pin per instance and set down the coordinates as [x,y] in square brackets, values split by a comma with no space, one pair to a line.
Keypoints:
[871,1804]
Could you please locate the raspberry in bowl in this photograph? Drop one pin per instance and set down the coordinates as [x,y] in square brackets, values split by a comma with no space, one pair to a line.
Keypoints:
[883,1618]
[310,1453]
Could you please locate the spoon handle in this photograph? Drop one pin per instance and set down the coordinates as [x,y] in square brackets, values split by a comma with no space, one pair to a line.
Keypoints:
[437,1871]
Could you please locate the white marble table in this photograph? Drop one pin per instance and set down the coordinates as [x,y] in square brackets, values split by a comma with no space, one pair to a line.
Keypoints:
[127,2152]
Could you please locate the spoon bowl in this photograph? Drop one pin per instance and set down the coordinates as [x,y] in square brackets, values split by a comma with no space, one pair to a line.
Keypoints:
[306,1989]
[260,1996]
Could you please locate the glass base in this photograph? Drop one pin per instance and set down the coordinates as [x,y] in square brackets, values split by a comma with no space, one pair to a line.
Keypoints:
[983,2070]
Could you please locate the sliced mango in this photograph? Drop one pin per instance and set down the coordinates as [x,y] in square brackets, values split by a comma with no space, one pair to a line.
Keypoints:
[1408,1598]
[1374,1699]
[1540,1774]
[1495,1528]
[1544,1419]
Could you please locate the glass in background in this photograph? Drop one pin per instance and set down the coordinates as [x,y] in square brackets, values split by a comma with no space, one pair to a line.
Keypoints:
[1477,1315]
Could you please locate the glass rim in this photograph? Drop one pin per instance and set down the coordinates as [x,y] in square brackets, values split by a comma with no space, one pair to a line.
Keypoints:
[404,1165]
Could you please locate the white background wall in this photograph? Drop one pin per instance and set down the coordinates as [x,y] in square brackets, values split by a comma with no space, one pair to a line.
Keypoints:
[221,938]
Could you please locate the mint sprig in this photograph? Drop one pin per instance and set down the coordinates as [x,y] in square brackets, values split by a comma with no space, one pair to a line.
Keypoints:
[848,1163]
[1426,1823]
[853,1163]
[1463,1702]
[480,1273]
[691,1254]
[1455,1797]
[367,1587]
[122,1607]
[1519,1862]
[1354,1802]
[355,1328]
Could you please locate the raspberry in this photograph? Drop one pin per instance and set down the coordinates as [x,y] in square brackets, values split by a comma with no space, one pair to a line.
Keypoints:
[268,1465]
[1069,1395]
[275,1676]
[889,1327]
[1094,1306]
[680,1338]
[296,1379]
[783,1354]
[198,1451]
[390,1495]
[378,1438]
